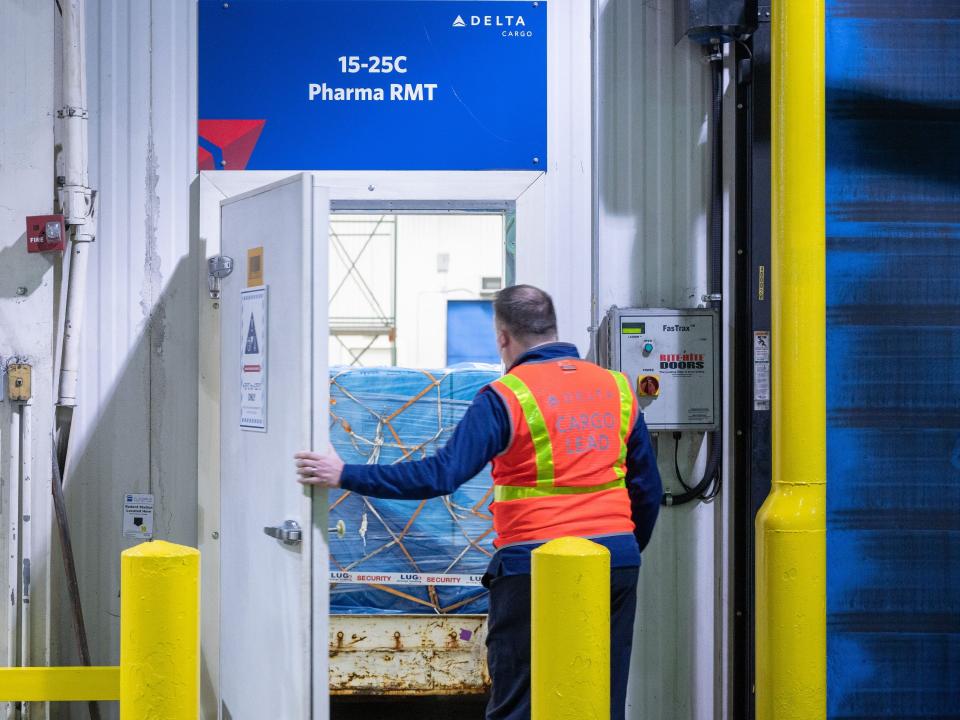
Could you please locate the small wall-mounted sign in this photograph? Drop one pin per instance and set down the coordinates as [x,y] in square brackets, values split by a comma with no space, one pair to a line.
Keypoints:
[138,516]
[255,267]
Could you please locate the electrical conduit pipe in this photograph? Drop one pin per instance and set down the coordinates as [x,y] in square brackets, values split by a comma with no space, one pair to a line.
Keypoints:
[13,549]
[76,197]
[26,537]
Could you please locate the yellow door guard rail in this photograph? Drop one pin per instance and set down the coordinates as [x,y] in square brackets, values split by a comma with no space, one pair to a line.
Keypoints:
[159,672]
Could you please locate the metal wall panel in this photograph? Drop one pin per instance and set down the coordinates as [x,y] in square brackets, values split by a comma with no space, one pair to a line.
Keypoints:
[654,188]
[135,429]
[27,298]
[893,343]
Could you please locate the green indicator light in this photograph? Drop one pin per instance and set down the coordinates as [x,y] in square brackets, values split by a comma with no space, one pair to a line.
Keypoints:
[633,328]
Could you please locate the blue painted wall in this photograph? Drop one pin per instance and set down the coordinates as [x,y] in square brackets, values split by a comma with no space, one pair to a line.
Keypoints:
[474,339]
[893,357]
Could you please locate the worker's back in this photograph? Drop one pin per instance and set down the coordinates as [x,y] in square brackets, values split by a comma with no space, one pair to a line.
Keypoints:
[564,468]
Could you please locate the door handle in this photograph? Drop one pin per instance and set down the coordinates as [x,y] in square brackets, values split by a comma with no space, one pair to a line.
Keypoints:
[289,532]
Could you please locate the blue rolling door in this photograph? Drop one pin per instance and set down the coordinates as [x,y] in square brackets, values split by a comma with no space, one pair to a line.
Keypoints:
[893,354]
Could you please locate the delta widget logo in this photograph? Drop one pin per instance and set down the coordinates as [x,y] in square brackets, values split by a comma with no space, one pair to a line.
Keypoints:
[226,144]
[510,26]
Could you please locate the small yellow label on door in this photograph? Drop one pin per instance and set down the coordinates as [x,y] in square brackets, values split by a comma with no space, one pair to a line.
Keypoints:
[255,267]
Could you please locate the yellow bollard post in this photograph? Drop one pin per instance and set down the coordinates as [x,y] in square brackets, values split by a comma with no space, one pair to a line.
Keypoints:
[791,676]
[570,631]
[159,632]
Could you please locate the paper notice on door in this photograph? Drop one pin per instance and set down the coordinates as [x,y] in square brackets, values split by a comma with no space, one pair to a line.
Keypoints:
[761,370]
[253,359]
[138,516]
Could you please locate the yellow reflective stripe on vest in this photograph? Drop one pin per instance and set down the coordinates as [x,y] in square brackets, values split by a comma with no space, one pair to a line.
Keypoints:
[514,492]
[539,433]
[626,410]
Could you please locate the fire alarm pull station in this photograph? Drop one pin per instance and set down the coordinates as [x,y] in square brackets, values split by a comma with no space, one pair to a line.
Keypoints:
[669,356]
[45,233]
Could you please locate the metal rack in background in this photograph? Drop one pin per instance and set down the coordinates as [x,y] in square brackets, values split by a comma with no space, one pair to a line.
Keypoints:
[352,239]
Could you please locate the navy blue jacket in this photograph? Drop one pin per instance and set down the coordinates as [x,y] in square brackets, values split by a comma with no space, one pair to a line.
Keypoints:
[483,433]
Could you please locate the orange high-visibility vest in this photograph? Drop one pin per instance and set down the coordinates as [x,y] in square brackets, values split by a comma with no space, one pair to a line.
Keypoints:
[563,472]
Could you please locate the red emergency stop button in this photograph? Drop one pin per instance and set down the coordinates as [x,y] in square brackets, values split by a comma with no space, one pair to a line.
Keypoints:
[648,386]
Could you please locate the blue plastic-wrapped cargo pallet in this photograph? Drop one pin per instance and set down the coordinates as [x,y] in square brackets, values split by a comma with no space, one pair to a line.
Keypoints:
[406,556]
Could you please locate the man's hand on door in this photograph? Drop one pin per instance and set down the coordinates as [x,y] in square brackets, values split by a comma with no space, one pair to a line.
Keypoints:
[319,469]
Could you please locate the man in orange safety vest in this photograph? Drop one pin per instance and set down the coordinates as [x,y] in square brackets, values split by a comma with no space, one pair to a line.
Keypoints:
[571,457]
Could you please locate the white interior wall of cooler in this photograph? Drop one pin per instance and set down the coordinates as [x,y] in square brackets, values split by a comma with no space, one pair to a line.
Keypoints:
[654,169]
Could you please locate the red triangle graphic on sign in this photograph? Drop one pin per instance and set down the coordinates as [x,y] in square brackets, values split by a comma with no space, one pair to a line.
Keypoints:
[235,138]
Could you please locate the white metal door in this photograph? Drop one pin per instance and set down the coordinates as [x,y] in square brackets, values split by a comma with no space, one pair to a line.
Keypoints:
[273,402]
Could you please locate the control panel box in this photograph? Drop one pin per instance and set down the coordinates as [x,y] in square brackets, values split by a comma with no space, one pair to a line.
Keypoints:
[670,357]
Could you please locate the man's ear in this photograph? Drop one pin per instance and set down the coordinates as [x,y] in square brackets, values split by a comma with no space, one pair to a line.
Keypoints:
[503,339]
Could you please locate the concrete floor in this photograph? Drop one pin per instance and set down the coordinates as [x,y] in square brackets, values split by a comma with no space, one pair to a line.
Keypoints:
[435,708]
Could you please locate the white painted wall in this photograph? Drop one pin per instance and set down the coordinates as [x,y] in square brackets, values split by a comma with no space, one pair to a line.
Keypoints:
[474,244]
[28,298]
[137,423]
[654,191]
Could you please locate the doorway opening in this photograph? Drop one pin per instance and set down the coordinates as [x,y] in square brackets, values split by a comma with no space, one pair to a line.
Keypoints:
[411,342]
[241,213]
[415,289]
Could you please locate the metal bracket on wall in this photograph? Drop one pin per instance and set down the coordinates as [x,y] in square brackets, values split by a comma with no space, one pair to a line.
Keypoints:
[763,13]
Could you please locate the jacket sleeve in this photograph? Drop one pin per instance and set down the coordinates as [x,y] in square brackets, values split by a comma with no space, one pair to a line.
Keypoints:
[643,482]
[481,434]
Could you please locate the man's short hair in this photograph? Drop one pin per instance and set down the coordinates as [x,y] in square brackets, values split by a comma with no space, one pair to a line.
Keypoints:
[526,312]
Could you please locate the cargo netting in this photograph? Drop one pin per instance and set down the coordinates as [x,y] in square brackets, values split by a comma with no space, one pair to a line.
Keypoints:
[406,556]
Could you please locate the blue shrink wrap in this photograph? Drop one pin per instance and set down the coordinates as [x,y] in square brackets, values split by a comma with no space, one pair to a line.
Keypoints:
[406,556]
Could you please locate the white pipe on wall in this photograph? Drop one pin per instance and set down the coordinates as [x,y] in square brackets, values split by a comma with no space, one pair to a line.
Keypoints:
[76,197]
[76,299]
[26,536]
[13,550]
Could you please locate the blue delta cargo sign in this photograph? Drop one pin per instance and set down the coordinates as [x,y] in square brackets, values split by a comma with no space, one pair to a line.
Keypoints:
[372,85]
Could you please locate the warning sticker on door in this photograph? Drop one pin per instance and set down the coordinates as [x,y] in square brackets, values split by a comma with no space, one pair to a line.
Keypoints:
[253,359]
[138,516]
[761,370]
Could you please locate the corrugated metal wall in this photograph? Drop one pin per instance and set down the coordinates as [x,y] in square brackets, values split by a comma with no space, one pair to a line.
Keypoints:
[893,334]
[136,429]
[654,189]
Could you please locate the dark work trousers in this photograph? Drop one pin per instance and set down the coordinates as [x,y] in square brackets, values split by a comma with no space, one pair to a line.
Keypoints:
[508,643]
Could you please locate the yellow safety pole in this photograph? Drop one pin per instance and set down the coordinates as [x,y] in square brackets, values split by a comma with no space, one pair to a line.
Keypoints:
[570,631]
[159,632]
[791,674]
